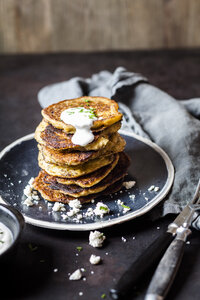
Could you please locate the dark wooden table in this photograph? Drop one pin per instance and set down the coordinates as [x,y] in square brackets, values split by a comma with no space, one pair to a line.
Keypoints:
[32,275]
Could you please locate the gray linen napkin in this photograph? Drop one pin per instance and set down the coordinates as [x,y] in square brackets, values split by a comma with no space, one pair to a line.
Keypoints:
[151,113]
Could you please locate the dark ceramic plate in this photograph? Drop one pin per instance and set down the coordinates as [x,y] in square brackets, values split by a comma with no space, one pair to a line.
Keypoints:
[150,165]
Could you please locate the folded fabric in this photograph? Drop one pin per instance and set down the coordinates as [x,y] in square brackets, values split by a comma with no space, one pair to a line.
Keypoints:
[171,124]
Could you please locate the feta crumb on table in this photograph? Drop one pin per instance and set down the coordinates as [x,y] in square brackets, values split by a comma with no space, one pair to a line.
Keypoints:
[76,275]
[96,239]
[94,259]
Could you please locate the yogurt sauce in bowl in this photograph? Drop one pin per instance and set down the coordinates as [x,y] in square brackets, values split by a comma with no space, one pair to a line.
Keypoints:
[6,238]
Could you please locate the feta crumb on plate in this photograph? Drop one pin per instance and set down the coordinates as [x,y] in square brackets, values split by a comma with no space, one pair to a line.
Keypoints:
[75,204]
[156,189]
[151,188]
[28,202]
[58,207]
[94,259]
[76,275]
[129,184]
[101,209]
[96,238]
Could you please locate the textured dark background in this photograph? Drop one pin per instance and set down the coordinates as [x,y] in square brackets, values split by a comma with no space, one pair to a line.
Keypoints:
[31,276]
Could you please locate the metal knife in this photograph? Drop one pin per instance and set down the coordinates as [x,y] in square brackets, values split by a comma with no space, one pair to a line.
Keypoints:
[151,256]
[169,264]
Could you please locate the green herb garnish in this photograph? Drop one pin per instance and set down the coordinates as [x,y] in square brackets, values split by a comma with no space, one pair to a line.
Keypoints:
[87,100]
[79,248]
[103,296]
[2,242]
[125,206]
[104,208]
[32,248]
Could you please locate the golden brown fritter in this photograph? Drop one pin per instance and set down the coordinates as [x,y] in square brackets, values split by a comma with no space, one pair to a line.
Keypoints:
[116,144]
[104,108]
[74,171]
[59,140]
[55,196]
[91,179]
[76,191]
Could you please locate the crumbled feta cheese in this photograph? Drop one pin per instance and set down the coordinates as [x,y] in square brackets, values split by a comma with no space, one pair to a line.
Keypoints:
[31,181]
[94,259]
[129,184]
[119,202]
[71,213]
[55,270]
[132,197]
[58,207]
[80,293]
[126,209]
[64,216]
[96,238]
[151,188]
[89,212]
[156,189]
[75,204]
[79,216]
[28,191]
[28,202]
[76,275]
[101,209]
[123,239]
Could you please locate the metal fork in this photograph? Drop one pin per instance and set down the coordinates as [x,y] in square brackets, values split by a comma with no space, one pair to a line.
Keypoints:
[170,262]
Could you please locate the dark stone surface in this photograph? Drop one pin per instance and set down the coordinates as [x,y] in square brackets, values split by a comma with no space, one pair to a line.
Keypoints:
[32,274]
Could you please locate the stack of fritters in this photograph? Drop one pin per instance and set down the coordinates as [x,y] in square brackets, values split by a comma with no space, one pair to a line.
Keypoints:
[71,171]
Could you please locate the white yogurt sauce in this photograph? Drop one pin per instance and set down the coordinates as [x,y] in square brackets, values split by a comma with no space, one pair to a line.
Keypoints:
[6,237]
[82,119]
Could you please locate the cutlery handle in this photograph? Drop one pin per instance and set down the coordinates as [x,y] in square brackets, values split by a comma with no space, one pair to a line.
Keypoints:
[167,269]
[138,268]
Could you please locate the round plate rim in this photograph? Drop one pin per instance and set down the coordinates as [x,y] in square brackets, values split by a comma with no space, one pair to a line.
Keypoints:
[102,224]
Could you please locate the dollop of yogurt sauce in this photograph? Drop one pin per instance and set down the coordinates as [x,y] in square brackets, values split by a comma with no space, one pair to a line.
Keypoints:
[6,237]
[82,119]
